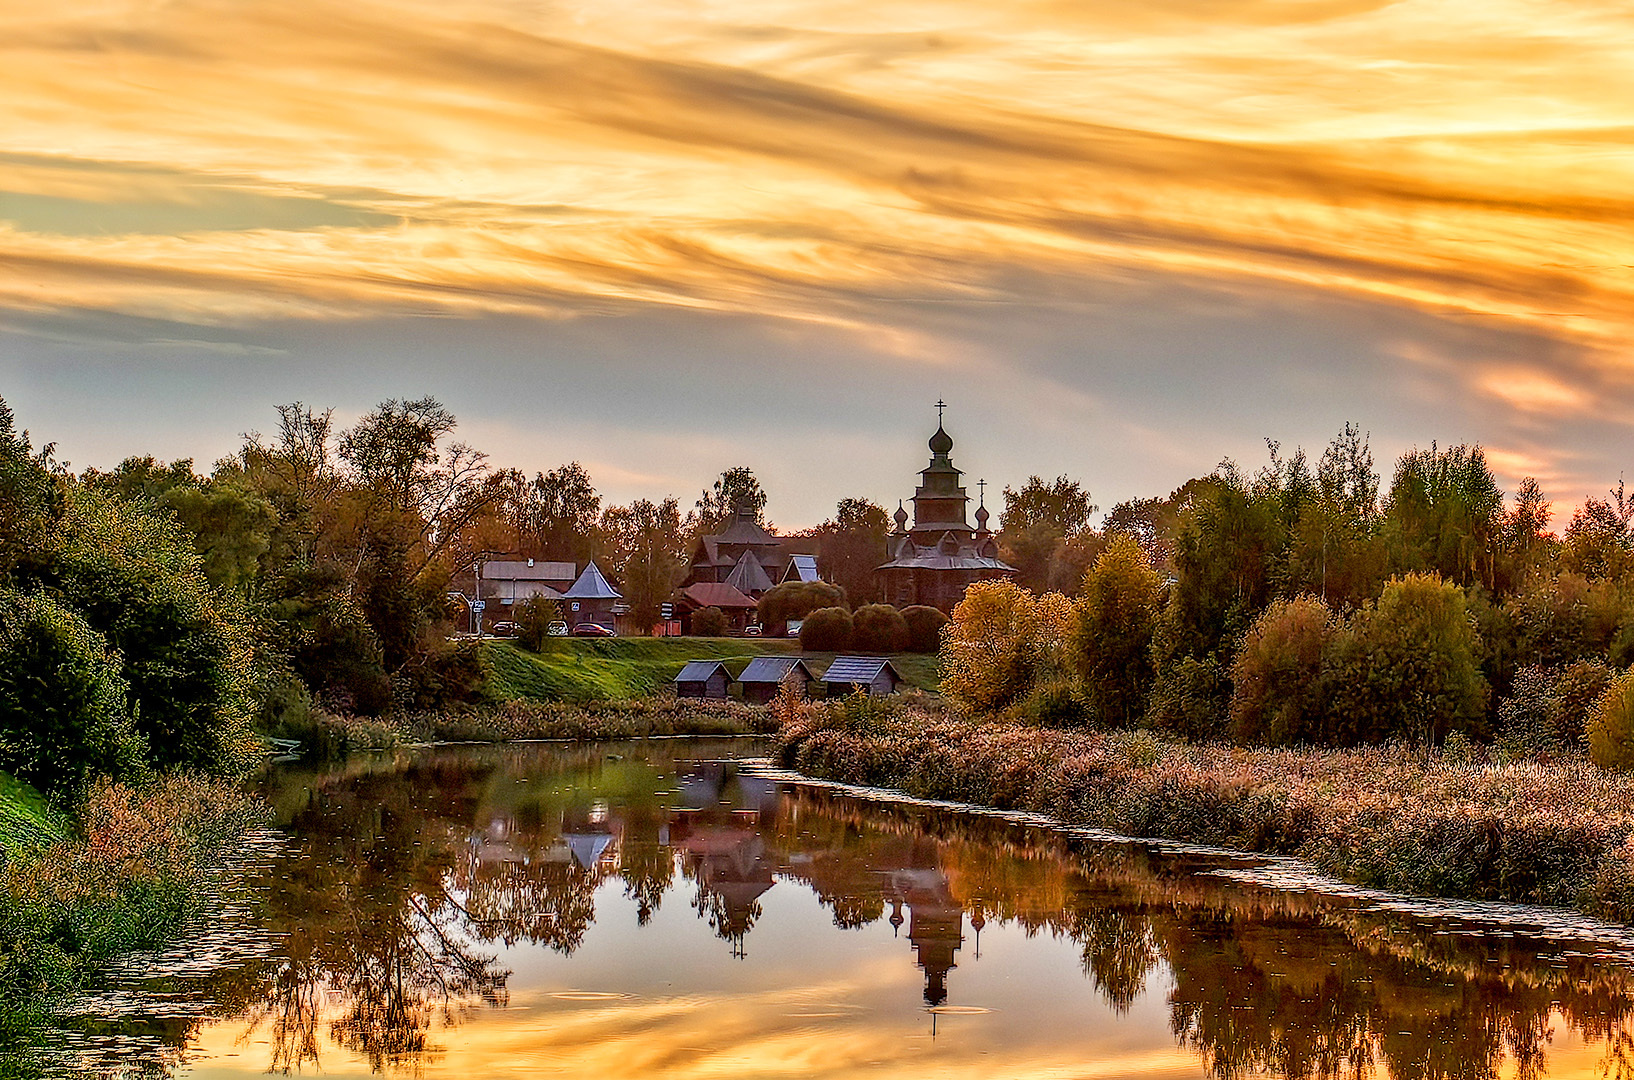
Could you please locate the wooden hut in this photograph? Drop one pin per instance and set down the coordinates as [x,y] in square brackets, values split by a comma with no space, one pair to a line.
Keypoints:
[703,679]
[766,676]
[848,674]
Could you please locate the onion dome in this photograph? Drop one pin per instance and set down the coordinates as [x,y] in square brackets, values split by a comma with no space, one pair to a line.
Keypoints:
[900,517]
[941,442]
[981,518]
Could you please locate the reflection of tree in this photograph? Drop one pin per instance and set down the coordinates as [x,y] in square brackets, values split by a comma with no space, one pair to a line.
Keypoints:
[542,901]
[646,863]
[1119,952]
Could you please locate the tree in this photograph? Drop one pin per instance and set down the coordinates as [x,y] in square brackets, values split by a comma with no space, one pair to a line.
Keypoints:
[851,547]
[1611,726]
[136,580]
[1036,521]
[734,489]
[1277,675]
[1334,551]
[30,498]
[1444,514]
[879,628]
[557,514]
[1111,641]
[1598,540]
[1406,667]
[990,650]
[649,554]
[64,718]
[533,618]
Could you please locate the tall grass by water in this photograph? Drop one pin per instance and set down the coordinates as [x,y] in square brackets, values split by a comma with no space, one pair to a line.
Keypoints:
[1451,824]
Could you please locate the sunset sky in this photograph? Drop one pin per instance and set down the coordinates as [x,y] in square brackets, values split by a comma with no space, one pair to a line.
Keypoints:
[1122,239]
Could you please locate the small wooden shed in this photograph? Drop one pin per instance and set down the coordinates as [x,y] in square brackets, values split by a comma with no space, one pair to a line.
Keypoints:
[703,679]
[848,674]
[766,676]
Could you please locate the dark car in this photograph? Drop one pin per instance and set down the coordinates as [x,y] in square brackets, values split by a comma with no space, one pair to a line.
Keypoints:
[592,629]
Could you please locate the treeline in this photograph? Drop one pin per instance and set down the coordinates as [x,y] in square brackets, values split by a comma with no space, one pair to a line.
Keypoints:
[1310,604]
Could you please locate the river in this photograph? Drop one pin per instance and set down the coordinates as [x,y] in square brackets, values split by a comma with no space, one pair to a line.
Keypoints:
[675,908]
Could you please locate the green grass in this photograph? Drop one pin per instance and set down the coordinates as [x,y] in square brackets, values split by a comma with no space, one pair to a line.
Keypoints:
[613,669]
[25,818]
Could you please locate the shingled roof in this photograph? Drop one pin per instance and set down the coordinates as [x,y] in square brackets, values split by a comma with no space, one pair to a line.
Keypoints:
[701,671]
[774,669]
[592,586]
[859,669]
[716,594]
[748,576]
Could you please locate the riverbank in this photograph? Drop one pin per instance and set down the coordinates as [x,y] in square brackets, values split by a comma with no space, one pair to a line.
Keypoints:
[1557,834]
[121,876]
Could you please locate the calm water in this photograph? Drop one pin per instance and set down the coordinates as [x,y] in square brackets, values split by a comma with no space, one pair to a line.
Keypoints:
[670,909]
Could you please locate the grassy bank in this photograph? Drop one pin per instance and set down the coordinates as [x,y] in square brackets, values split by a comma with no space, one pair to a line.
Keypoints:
[25,819]
[615,669]
[125,878]
[1555,834]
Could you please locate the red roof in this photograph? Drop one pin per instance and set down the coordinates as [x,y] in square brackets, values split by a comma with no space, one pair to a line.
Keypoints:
[716,594]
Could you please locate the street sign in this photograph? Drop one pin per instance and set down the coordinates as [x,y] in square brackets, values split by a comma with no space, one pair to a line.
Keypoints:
[667,611]
[479,605]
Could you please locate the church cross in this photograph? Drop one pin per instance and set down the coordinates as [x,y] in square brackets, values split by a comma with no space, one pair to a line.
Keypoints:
[982,485]
[940,405]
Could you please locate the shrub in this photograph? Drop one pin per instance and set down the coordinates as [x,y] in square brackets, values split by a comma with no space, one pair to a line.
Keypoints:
[63,713]
[990,651]
[709,622]
[136,581]
[924,628]
[1277,677]
[533,618]
[826,630]
[1611,727]
[796,600]
[1545,712]
[1111,645]
[1406,666]
[879,628]
[1190,698]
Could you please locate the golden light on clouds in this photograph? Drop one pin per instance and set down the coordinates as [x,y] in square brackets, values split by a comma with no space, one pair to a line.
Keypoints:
[827,162]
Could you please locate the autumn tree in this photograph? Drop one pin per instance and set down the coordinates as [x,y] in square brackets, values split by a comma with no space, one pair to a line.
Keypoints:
[1277,674]
[1444,514]
[1111,640]
[648,554]
[990,650]
[851,546]
[735,489]
[556,515]
[1037,520]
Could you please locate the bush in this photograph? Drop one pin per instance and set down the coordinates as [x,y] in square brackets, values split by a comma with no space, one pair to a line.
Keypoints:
[879,628]
[1190,698]
[64,719]
[924,628]
[1111,645]
[533,618]
[796,600]
[1406,667]
[1611,727]
[137,581]
[709,622]
[1277,695]
[1545,712]
[826,630]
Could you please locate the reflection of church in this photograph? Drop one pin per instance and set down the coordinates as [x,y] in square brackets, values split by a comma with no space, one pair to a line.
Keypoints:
[935,923]
[941,555]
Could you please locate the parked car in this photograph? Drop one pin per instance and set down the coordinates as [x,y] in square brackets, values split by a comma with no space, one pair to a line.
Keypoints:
[504,628]
[556,629]
[752,630]
[794,627]
[592,629]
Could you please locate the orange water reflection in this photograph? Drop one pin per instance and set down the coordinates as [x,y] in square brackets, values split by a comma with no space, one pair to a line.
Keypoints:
[656,909]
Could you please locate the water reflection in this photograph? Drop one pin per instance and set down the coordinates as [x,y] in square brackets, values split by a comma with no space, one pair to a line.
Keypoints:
[437,910]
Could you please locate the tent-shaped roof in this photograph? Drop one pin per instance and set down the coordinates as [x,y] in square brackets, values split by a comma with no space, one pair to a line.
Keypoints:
[748,576]
[859,669]
[701,671]
[592,586]
[587,848]
[745,530]
[716,594]
[801,568]
[774,669]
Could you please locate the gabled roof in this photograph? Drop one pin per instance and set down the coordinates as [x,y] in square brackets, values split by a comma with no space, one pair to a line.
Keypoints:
[859,669]
[744,530]
[801,568]
[748,576]
[701,671]
[716,594]
[774,669]
[520,570]
[592,586]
